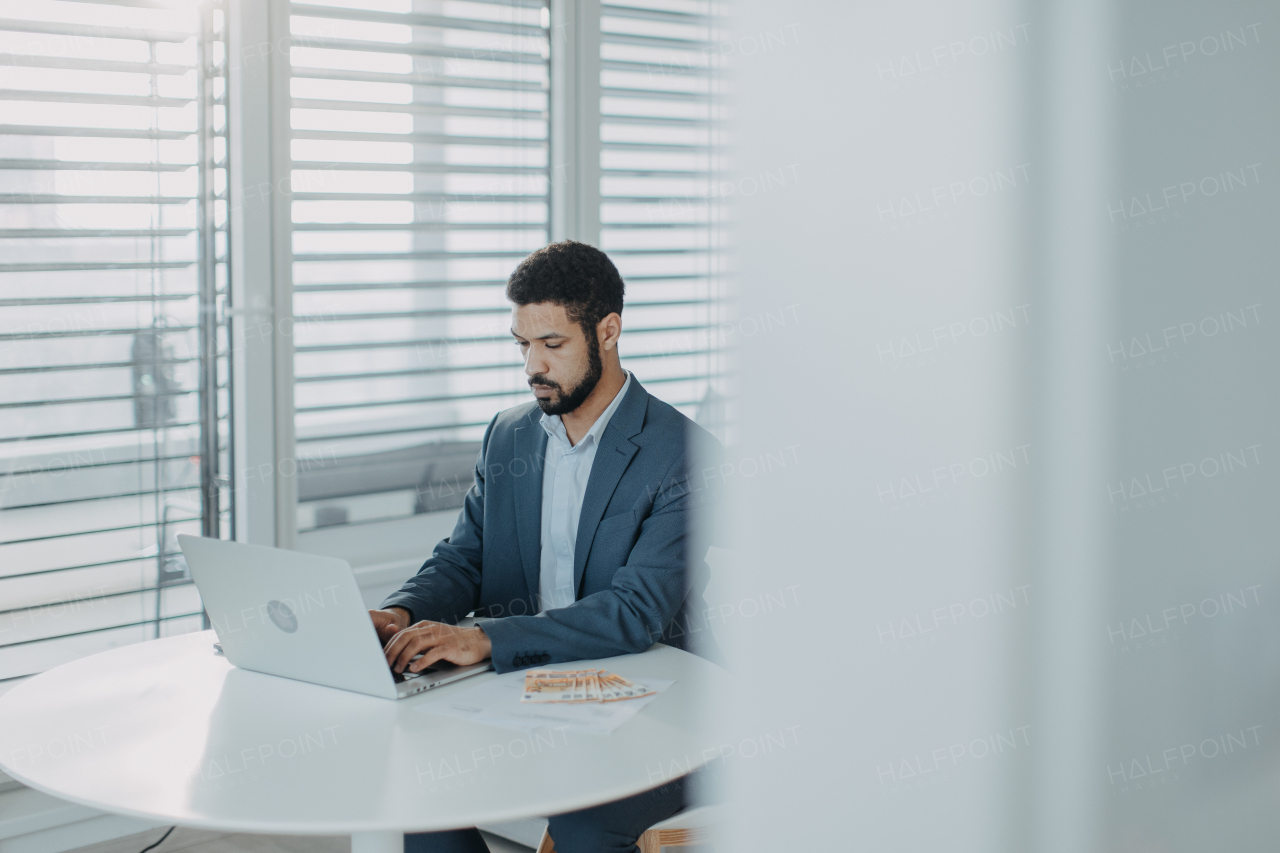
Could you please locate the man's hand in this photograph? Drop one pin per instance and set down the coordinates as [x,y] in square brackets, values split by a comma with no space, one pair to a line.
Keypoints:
[436,641]
[389,622]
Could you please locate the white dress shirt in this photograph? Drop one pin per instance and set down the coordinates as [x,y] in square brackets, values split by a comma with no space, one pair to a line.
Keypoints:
[564,484]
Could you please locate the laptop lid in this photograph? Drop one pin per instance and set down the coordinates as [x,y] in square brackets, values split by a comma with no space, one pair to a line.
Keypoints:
[286,613]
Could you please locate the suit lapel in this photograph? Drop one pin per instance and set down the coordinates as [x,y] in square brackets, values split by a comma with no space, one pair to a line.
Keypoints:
[612,458]
[531,448]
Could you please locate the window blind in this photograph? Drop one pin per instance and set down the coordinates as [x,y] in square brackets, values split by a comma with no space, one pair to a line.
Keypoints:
[420,179]
[662,206]
[112,266]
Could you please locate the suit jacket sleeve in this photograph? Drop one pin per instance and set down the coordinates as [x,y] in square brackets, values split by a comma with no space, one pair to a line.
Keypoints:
[645,596]
[447,587]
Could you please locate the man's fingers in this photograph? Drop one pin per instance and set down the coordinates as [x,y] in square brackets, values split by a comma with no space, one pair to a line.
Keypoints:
[396,649]
[388,650]
[387,621]
[385,625]
[416,641]
[396,645]
[435,641]
[429,657]
[412,647]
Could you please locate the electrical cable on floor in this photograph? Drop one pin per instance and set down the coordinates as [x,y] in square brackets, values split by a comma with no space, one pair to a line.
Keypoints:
[158,843]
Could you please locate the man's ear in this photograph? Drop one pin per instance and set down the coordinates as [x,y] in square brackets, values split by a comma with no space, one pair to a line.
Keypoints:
[608,330]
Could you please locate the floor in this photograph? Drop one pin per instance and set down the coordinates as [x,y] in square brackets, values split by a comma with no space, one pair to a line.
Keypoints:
[203,841]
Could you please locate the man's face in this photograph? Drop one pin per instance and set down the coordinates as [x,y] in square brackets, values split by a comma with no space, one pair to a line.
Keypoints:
[563,364]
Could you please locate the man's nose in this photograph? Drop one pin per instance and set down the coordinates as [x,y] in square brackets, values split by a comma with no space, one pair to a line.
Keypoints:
[534,363]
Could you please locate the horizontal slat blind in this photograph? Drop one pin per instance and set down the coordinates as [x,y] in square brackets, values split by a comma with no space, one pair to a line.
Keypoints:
[419,146]
[109,242]
[661,207]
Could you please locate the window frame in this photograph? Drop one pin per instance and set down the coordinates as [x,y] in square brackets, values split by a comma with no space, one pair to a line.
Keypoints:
[262,257]
[202,506]
[262,260]
[261,278]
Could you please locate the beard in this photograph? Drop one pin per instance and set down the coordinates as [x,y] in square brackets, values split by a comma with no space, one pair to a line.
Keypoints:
[566,401]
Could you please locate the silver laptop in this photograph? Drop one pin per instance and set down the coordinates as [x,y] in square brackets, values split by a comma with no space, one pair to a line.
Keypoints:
[300,616]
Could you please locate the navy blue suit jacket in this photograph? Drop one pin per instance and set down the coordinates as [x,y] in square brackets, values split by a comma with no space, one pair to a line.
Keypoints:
[638,564]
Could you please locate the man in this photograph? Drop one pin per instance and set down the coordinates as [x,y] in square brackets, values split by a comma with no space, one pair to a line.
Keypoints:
[572,543]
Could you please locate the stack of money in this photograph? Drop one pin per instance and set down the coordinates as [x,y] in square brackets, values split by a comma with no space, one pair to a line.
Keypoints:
[579,685]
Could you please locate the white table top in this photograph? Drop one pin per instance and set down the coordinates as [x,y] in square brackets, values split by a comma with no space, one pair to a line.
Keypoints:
[168,730]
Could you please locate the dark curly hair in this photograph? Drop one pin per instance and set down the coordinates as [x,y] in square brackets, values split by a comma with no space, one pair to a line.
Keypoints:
[579,277]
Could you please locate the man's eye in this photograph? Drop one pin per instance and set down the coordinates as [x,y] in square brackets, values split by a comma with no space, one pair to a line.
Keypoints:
[553,346]
[521,343]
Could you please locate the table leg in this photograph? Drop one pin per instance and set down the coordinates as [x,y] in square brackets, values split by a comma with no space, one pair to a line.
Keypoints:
[377,842]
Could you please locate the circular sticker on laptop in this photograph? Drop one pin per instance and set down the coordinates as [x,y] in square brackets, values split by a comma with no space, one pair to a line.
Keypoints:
[282,616]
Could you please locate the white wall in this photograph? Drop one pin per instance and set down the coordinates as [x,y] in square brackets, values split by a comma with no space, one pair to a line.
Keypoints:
[948,333]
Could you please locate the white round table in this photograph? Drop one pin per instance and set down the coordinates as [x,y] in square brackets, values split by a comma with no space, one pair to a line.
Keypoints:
[169,731]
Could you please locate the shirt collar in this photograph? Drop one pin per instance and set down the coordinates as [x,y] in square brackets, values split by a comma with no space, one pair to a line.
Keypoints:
[555,427]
